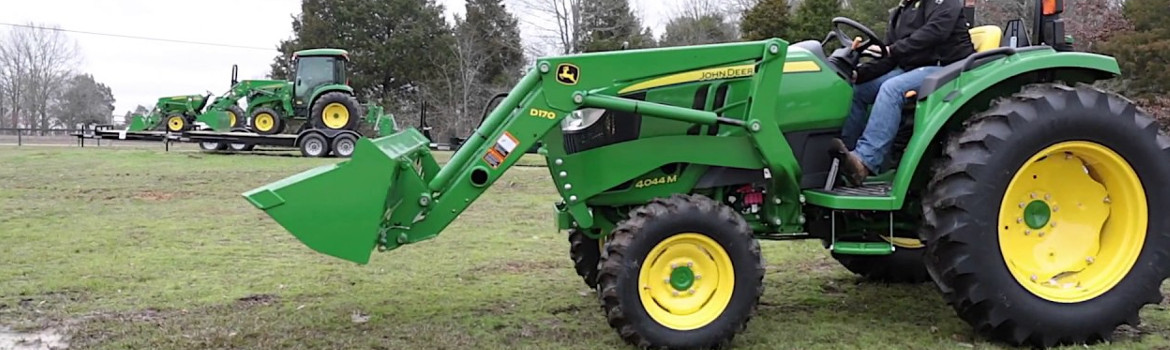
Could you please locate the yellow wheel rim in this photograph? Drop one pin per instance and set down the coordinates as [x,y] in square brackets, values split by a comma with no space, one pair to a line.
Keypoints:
[231,118]
[264,121]
[686,281]
[1072,222]
[335,115]
[175,123]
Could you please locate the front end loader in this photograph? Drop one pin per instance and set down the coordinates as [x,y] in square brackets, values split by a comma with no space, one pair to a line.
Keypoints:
[1022,192]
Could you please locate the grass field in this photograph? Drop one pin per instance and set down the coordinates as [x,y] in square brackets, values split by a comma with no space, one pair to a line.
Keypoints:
[121,248]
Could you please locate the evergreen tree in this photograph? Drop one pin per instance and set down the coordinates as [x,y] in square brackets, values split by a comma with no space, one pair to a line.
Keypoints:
[607,25]
[874,14]
[814,19]
[705,29]
[392,44]
[497,40]
[767,19]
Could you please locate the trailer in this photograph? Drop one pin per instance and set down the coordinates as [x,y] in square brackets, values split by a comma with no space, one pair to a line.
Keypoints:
[310,142]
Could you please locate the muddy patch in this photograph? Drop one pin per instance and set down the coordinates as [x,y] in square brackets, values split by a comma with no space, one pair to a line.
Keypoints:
[38,340]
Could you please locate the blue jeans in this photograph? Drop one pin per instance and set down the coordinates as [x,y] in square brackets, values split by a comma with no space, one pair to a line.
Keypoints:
[871,138]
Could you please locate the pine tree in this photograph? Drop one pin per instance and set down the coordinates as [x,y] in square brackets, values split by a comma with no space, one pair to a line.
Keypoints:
[607,25]
[767,19]
[814,19]
[497,40]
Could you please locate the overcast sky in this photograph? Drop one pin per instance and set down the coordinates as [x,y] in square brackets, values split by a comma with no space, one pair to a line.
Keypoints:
[141,71]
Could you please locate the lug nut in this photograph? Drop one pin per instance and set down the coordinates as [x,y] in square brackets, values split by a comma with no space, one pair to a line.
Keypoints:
[698,276]
[1040,233]
[1033,195]
[1034,278]
[690,264]
[666,280]
[675,293]
[1107,199]
[1048,197]
[1089,260]
[1027,232]
[1019,220]
[692,291]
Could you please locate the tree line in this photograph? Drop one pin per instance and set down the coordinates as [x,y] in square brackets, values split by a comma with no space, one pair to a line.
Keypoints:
[41,86]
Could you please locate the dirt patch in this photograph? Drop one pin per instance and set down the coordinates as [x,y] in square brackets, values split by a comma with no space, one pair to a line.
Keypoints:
[257,299]
[38,340]
[516,267]
[154,196]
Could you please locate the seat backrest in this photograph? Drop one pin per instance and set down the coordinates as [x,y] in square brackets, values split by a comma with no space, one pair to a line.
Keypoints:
[986,37]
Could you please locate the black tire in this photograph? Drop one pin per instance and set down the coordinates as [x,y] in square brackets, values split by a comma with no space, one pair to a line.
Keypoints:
[264,113]
[314,145]
[239,119]
[347,122]
[962,227]
[212,146]
[585,253]
[241,147]
[343,145]
[176,123]
[633,239]
[904,265]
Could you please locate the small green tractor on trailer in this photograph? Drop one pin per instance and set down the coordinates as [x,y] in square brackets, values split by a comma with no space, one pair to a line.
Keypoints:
[1024,194]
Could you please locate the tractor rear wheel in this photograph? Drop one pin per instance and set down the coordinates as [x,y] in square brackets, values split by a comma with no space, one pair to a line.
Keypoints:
[335,111]
[681,272]
[1041,221]
[177,123]
[235,116]
[586,255]
[267,121]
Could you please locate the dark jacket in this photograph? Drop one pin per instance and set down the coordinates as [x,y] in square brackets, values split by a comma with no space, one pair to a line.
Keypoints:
[922,33]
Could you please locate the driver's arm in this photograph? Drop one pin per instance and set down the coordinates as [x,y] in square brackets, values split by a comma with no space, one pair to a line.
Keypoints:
[941,16]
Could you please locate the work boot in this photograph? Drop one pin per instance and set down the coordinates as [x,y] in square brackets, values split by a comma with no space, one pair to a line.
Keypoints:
[850,164]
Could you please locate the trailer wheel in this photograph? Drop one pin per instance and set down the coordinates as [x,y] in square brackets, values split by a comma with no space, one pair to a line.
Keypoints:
[235,116]
[314,145]
[241,147]
[681,272]
[343,145]
[177,123]
[1044,220]
[267,121]
[335,111]
[212,146]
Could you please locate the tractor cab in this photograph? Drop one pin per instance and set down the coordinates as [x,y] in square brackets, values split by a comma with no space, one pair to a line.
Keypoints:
[315,68]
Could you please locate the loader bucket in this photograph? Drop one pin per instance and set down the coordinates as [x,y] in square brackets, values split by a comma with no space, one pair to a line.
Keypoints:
[216,120]
[338,209]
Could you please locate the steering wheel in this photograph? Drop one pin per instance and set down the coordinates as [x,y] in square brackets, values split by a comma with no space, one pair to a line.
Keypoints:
[872,38]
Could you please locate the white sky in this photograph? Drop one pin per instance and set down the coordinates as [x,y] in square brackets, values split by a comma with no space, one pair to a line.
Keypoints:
[141,71]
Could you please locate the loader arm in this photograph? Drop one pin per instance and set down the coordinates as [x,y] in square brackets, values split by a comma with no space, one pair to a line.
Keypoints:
[392,192]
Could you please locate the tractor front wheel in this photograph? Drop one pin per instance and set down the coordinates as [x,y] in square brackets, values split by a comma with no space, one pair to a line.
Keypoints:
[335,111]
[1042,220]
[585,252]
[177,123]
[235,116]
[681,272]
[267,121]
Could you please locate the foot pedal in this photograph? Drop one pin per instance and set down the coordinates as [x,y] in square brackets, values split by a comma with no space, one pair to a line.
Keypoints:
[863,248]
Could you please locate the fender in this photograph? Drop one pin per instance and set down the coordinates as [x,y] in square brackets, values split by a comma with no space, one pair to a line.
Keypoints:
[980,78]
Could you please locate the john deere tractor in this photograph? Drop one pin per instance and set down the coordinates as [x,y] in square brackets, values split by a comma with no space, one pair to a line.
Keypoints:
[318,97]
[171,113]
[1026,195]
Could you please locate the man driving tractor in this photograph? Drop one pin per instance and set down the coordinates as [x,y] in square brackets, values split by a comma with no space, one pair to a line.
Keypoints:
[924,35]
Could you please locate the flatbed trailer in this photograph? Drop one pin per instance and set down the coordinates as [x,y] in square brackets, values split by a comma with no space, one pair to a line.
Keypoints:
[107,132]
[311,143]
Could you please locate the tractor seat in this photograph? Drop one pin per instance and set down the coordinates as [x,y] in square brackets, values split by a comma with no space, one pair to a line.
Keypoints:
[983,38]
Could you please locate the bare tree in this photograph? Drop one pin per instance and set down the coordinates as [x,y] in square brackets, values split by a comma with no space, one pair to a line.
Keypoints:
[556,22]
[35,63]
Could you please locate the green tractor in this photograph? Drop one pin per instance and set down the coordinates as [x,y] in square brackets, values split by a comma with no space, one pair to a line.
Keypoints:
[319,97]
[171,114]
[1023,193]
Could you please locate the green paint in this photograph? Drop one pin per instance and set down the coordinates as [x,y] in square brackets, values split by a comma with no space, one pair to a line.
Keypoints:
[863,248]
[681,278]
[1037,214]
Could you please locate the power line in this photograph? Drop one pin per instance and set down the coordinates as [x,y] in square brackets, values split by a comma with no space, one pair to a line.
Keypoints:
[139,37]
